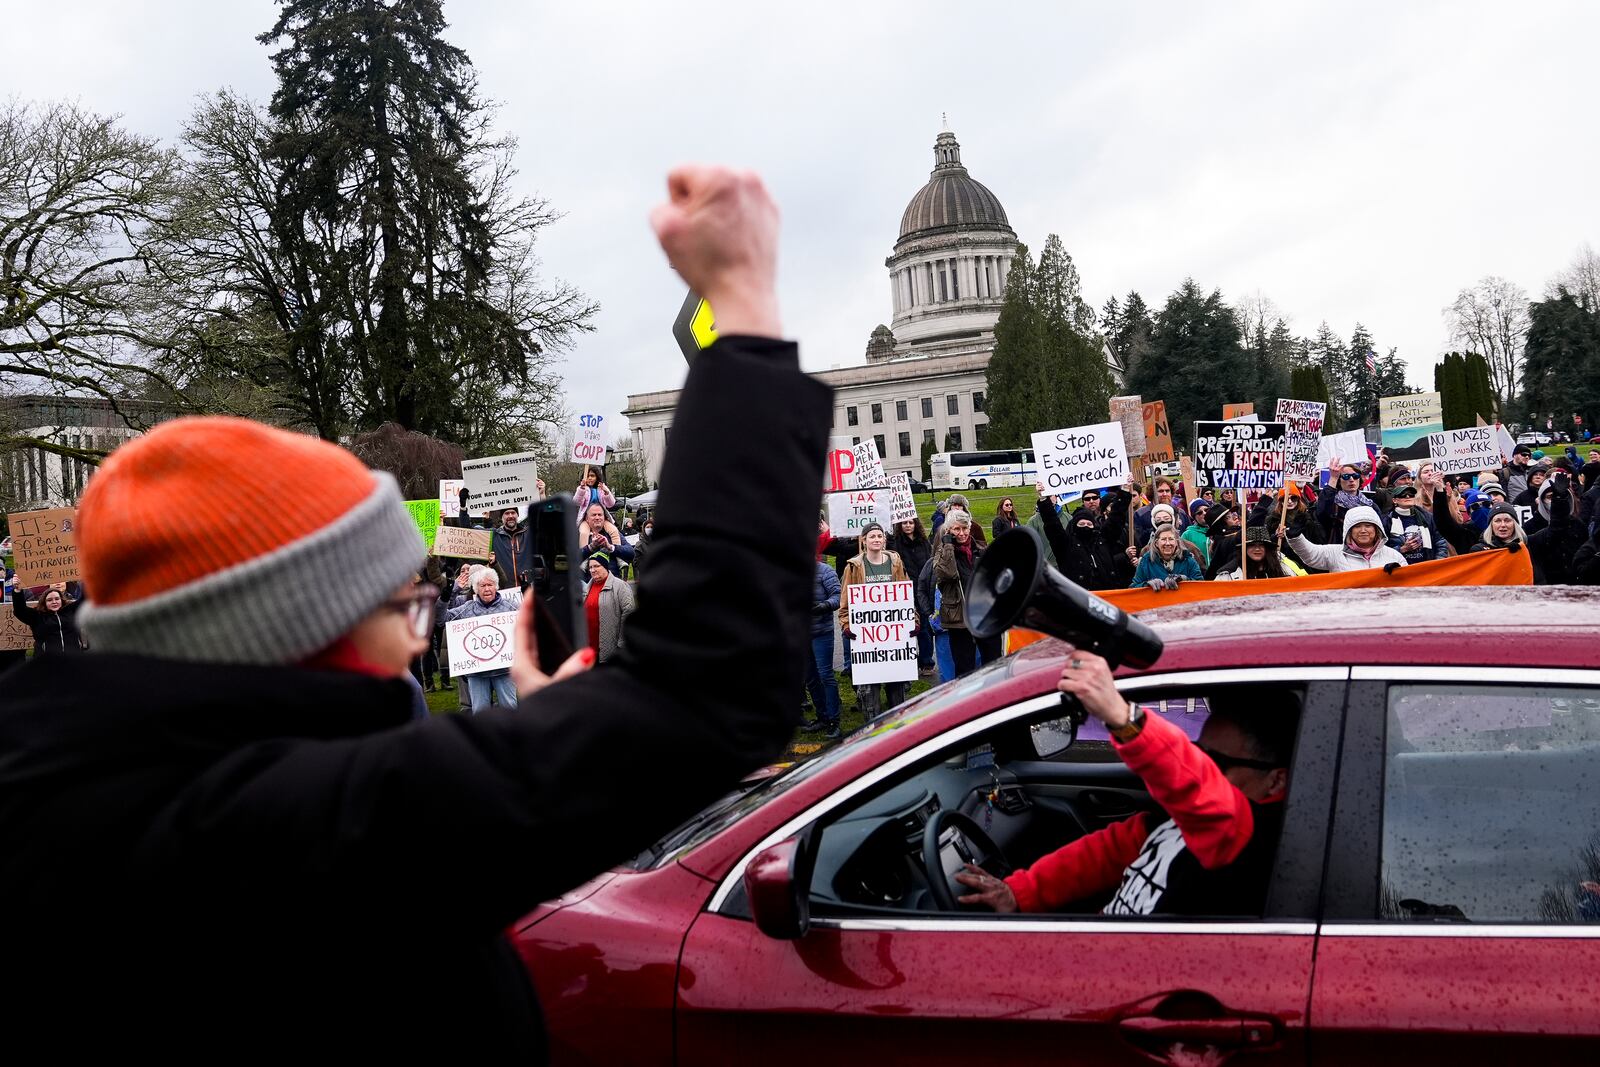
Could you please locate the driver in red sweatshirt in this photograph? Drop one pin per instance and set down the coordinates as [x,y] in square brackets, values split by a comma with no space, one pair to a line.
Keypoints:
[1222,796]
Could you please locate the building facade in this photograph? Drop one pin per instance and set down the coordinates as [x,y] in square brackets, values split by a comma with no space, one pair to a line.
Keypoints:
[32,478]
[926,372]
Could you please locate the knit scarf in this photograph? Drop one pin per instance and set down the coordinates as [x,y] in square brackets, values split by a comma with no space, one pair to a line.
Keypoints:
[1346,499]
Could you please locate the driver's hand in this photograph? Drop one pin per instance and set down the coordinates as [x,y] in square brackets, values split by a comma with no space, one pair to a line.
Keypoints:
[991,892]
[1088,677]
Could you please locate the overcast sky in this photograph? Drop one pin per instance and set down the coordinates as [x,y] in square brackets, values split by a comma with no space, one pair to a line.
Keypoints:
[1349,161]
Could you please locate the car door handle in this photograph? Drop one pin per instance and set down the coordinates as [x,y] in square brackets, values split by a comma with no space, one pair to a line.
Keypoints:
[1227,1031]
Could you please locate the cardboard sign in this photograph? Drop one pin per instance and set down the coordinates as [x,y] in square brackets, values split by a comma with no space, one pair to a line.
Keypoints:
[1465,451]
[1240,455]
[1507,443]
[425,513]
[1304,419]
[1129,410]
[852,510]
[869,466]
[902,505]
[15,636]
[840,472]
[1191,491]
[1085,457]
[1237,411]
[499,482]
[450,496]
[1157,434]
[44,545]
[1347,447]
[882,617]
[1406,422]
[462,544]
[589,443]
[484,643]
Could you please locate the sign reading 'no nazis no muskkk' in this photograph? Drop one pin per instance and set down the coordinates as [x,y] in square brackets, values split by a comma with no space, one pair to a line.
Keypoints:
[1085,457]
[1240,455]
[1465,451]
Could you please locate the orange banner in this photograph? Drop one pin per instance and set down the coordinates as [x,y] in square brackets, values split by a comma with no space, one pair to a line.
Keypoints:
[1500,567]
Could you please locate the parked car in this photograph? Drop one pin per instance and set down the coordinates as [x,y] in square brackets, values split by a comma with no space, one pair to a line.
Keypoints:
[1437,863]
[920,487]
[1533,437]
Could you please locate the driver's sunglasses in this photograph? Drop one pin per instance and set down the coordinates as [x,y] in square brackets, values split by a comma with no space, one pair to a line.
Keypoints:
[1226,763]
[417,607]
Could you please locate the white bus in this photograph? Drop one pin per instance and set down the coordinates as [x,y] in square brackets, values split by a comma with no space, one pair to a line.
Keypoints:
[984,469]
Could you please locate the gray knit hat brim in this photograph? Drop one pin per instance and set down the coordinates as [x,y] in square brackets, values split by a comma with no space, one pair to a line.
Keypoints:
[279,608]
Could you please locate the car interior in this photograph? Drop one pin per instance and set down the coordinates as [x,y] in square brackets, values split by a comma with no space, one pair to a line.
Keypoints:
[1001,800]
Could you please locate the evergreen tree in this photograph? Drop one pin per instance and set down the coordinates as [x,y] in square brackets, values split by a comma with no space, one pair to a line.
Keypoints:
[1329,355]
[1129,336]
[1195,362]
[1362,393]
[1078,390]
[1389,380]
[1561,369]
[1450,381]
[1306,383]
[1480,389]
[384,154]
[929,447]
[1016,373]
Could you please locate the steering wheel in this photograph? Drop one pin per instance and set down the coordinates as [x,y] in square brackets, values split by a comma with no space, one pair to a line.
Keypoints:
[987,853]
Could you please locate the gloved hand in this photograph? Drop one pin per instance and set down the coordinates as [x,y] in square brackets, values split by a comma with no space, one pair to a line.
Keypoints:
[1172,582]
[1156,585]
[464,495]
[1390,568]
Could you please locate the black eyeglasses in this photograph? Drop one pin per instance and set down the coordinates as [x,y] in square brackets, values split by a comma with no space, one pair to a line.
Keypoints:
[1226,763]
[417,607]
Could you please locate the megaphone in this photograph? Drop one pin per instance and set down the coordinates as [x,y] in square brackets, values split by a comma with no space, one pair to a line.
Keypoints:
[1012,585]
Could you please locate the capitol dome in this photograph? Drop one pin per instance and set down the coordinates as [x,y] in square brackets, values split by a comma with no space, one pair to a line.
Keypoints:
[952,200]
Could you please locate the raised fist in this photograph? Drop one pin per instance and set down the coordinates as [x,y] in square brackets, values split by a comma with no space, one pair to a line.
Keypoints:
[719,229]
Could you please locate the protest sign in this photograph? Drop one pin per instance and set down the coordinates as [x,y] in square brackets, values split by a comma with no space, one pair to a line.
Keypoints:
[44,545]
[1506,442]
[1304,418]
[589,442]
[482,643]
[1084,457]
[1406,421]
[1240,455]
[1347,447]
[15,635]
[495,483]
[1191,491]
[902,505]
[1237,411]
[840,471]
[1129,410]
[450,496]
[462,544]
[1157,435]
[850,511]
[1465,451]
[869,466]
[883,647]
[425,513]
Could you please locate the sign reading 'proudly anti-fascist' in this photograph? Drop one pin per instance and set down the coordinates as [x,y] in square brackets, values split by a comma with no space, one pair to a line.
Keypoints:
[1240,455]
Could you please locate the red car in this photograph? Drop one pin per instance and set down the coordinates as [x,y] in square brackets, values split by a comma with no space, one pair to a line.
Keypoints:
[1434,896]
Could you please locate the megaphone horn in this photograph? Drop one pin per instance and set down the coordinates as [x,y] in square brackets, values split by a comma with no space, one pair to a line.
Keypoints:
[1012,585]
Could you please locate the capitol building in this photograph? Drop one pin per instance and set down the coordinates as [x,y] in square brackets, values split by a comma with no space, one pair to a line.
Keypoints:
[924,376]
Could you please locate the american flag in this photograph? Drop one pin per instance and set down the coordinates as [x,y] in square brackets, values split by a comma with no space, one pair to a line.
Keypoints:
[1372,364]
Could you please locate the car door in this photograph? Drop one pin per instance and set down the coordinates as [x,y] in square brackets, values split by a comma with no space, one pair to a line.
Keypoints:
[931,989]
[1463,901]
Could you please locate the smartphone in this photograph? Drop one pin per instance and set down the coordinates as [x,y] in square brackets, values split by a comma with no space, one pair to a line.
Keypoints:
[556,584]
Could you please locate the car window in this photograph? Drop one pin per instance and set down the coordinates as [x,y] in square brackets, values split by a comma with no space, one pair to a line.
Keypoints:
[1491,809]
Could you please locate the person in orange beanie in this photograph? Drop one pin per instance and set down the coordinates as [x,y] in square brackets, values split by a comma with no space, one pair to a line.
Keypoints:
[221,835]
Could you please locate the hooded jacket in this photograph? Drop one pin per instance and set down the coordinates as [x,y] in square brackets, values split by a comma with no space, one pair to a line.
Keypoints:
[230,862]
[1341,557]
[1554,537]
[1081,554]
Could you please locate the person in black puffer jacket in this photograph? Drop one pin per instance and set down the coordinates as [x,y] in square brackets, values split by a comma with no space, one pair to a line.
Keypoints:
[911,544]
[55,621]
[1081,554]
[1554,537]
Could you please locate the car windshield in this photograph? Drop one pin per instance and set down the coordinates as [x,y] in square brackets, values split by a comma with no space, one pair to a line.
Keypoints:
[764,786]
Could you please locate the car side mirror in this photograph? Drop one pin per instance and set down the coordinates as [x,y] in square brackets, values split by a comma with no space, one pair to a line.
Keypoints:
[777,882]
[1054,736]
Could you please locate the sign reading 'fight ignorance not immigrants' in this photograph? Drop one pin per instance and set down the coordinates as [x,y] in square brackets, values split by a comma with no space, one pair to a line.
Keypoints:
[1240,455]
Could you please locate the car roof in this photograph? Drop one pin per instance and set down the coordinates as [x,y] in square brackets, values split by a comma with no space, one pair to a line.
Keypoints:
[1501,626]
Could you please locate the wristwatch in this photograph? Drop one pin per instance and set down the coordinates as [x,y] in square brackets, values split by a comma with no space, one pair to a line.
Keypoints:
[1133,727]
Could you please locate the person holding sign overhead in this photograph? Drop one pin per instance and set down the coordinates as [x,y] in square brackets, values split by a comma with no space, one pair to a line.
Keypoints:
[236,767]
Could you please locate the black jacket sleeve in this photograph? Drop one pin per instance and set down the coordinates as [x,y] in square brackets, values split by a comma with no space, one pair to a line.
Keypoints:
[1070,556]
[1461,537]
[523,805]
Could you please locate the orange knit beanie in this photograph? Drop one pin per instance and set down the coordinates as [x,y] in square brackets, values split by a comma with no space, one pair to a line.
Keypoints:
[200,540]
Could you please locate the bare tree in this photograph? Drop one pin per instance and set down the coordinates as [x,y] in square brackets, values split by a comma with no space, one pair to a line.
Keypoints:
[78,198]
[1491,318]
[1581,278]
